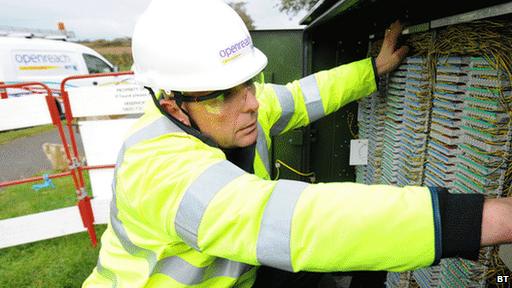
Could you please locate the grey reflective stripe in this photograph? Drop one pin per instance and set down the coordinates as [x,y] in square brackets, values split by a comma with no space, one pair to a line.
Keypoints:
[312,98]
[159,127]
[287,103]
[118,228]
[174,267]
[198,196]
[188,274]
[106,273]
[261,147]
[273,248]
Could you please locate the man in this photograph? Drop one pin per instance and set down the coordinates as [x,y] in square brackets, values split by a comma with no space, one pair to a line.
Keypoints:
[193,201]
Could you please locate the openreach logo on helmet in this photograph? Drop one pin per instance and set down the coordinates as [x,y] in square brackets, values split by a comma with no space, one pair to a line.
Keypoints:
[235,50]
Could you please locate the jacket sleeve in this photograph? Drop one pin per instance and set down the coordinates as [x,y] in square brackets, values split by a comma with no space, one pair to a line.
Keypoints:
[301,102]
[196,196]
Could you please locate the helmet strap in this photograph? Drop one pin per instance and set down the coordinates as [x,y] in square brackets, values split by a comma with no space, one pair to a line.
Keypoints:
[178,98]
[241,157]
[194,130]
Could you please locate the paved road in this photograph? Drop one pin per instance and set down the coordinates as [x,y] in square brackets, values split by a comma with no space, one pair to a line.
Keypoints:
[24,157]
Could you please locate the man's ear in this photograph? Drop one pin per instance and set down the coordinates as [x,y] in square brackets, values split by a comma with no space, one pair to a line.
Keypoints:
[170,107]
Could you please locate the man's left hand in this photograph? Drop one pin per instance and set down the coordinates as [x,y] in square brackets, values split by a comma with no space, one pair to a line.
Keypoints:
[389,56]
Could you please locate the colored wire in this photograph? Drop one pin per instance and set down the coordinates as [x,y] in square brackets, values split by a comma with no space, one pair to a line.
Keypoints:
[490,41]
[350,123]
[278,164]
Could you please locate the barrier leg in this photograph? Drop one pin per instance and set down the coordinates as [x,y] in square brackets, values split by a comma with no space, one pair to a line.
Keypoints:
[87,215]
[3,92]
[84,202]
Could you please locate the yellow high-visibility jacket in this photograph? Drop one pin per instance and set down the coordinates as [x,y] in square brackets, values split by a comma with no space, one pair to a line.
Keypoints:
[184,216]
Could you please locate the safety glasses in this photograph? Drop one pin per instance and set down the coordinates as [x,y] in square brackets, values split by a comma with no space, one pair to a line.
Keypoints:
[227,94]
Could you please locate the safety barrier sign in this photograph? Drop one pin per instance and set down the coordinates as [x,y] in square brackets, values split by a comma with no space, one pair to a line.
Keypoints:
[35,110]
[102,139]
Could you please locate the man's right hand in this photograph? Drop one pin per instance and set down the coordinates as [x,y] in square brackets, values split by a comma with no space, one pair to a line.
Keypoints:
[497,222]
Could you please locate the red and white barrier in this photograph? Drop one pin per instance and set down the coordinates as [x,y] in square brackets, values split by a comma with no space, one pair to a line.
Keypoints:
[37,110]
[102,140]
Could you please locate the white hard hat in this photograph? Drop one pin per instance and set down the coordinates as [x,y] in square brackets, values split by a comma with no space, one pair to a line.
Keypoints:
[193,45]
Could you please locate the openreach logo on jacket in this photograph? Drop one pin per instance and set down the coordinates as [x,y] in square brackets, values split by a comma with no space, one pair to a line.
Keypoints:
[235,50]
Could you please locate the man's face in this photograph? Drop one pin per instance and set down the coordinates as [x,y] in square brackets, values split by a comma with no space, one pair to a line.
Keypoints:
[230,120]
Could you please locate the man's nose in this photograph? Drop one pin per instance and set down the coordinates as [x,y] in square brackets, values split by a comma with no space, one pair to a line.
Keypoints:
[251,103]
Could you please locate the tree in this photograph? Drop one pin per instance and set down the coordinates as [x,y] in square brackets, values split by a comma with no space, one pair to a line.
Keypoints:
[295,6]
[239,7]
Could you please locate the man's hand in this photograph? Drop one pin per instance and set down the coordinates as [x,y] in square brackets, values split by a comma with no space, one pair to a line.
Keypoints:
[389,56]
[497,222]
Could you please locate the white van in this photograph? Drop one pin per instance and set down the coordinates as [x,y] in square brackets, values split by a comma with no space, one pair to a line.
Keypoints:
[48,61]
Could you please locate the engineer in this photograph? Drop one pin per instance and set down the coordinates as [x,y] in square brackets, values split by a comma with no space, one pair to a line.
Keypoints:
[193,202]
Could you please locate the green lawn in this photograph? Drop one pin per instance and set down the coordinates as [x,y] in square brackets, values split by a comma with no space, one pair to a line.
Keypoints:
[8,136]
[60,262]
[21,200]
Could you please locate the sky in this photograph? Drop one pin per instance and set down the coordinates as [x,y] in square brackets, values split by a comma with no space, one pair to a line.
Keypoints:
[108,19]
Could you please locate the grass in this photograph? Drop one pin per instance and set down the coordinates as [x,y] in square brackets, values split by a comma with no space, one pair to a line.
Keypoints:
[117,51]
[123,61]
[8,136]
[21,200]
[61,262]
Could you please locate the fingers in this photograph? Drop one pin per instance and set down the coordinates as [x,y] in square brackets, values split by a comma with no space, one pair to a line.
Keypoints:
[389,56]
[398,57]
[402,52]
[396,26]
[393,32]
